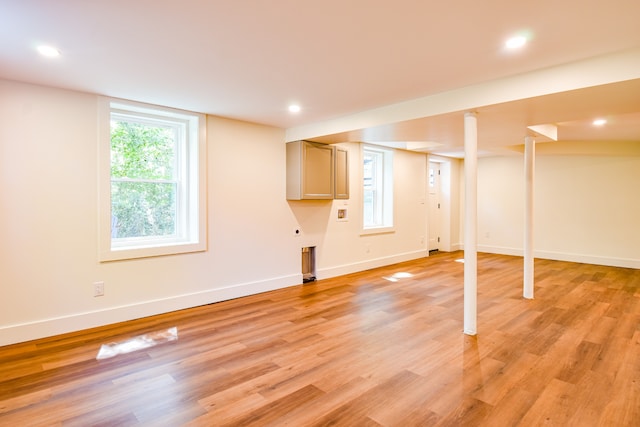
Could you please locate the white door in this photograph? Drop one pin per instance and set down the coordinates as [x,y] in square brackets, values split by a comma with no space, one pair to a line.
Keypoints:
[434,206]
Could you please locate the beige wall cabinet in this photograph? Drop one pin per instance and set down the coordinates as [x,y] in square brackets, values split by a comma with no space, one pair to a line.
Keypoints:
[316,171]
[341,174]
[310,169]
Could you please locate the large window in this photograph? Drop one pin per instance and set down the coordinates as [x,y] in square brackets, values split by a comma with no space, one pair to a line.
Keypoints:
[377,189]
[152,181]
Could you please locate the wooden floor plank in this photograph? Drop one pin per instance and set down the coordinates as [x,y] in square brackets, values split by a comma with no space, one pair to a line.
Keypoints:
[367,349]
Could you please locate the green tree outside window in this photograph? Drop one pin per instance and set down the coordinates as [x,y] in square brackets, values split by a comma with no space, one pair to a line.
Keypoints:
[143,179]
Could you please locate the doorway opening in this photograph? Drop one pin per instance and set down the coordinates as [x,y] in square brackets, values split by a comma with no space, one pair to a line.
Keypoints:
[435,208]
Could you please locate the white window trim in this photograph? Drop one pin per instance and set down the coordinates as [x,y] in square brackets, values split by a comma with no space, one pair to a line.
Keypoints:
[196,241]
[389,209]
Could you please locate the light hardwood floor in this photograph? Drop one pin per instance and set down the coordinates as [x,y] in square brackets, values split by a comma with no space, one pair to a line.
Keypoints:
[357,350]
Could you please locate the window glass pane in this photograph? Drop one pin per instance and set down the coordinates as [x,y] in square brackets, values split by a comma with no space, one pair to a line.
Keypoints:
[372,186]
[368,208]
[377,205]
[142,209]
[142,151]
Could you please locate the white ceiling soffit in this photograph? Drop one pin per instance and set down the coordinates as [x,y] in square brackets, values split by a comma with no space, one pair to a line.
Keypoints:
[618,67]
[548,130]
[505,124]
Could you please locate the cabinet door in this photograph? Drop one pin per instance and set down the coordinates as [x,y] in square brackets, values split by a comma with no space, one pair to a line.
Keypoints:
[342,174]
[317,171]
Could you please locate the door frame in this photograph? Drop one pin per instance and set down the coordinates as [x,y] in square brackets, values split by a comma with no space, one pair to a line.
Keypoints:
[447,194]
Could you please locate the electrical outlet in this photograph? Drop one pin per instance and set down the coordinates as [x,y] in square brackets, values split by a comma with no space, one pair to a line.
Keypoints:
[98,289]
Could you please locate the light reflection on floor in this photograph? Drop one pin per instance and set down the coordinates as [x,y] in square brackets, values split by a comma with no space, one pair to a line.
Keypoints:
[461,260]
[397,276]
[137,343]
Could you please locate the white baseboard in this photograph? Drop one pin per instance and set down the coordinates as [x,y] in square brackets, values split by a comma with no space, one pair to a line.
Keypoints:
[54,326]
[500,250]
[589,259]
[563,256]
[340,270]
[23,332]
[456,247]
[12,334]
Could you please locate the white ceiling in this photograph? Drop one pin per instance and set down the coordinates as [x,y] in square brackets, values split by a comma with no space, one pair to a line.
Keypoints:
[249,59]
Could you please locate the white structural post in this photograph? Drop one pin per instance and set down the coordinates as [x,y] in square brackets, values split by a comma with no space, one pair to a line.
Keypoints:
[470,223]
[529,175]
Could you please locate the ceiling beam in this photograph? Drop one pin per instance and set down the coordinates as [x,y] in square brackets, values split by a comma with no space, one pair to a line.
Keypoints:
[590,72]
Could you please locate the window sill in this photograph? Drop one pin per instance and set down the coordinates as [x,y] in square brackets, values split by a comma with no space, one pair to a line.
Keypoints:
[377,230]
[124,254]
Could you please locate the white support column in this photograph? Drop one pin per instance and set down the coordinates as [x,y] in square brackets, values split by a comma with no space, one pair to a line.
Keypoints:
[470,223]
[529,175]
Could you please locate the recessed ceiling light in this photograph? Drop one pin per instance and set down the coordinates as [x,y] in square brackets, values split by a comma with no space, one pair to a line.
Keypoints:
[294,108]
[599,122]
[48,51]
[515,42]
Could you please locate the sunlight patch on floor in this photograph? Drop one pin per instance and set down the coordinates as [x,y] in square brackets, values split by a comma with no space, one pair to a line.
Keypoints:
[397,276]
[137,343]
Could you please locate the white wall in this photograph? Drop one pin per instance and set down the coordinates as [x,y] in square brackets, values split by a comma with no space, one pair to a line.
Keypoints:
[586,208]
[501,204]
[340,246]
[48,221]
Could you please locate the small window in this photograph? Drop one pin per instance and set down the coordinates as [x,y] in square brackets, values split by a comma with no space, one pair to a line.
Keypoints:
[377,189]
[152,195]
